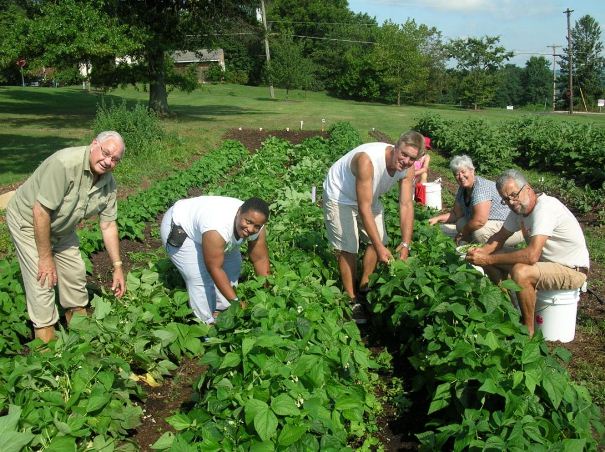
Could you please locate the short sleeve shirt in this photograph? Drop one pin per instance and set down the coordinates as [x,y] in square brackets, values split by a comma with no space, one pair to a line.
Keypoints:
[483,190]
[210,213]
[566,244]
[63,183]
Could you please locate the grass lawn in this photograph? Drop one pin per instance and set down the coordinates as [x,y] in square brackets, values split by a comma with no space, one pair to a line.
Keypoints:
[35,122]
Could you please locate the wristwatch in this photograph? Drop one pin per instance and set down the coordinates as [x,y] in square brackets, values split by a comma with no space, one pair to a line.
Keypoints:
[405,245]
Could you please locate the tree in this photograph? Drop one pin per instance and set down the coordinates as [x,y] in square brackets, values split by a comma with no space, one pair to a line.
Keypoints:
[588,60]
[59,34]
[537,81]
[327,30]
[289,68]
[399,55]
[478,60]
[165,26]
[143,33]
[510,88]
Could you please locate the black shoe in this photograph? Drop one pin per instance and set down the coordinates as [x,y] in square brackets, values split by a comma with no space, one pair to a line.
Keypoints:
[358,313]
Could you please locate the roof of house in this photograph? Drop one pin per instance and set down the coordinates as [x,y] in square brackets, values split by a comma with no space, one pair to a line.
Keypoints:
[198,56]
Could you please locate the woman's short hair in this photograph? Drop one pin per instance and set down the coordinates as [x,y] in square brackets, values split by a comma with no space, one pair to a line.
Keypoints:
[257,205]
[461,162]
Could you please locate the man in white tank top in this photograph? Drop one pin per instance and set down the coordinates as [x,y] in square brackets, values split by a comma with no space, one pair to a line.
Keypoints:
[556,256]
[352,190]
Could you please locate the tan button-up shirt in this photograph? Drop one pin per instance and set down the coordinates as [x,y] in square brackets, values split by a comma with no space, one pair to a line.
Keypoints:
[63,183]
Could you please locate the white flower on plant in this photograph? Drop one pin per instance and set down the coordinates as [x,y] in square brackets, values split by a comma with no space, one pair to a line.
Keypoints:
[299,309]
[299,402]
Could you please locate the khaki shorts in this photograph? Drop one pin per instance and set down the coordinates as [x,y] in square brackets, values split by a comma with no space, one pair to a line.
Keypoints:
[345,228]
[558,277]
[483,234]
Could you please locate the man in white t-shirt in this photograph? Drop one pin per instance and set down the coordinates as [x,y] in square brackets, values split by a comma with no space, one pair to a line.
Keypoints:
[203,236]
[352,208]
[556,256]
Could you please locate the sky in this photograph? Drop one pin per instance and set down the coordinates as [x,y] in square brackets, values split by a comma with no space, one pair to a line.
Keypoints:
[524,26]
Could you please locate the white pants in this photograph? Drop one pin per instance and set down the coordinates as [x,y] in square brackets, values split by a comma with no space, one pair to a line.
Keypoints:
[204,296]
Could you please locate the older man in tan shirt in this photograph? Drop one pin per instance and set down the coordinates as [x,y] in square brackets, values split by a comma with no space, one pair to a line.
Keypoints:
[69,186]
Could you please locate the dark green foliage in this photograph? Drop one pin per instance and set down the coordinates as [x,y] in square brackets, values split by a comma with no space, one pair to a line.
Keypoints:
[533,142]
[478,60]
[490,148]
[482,382]
[588,62]
[537,82]
[140,127]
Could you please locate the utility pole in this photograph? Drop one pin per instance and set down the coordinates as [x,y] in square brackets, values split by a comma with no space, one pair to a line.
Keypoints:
[554,79]
[570,59]
[267,53]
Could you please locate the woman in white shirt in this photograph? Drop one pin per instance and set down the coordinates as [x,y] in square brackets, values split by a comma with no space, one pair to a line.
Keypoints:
[203,237]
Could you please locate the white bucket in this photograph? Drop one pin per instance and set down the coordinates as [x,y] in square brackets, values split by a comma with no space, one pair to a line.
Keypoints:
[433,194]
[555,314]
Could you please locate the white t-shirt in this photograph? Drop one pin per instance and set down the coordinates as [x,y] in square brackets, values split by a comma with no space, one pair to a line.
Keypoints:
[566,244]
[339,184]
[209,213]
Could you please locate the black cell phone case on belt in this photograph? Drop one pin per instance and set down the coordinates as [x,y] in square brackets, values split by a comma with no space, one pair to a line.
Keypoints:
[177,236]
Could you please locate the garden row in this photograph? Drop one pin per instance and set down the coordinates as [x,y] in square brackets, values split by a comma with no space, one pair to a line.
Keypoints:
[574,151]
[278,371]
[83,391]
[483,383]
[289,372]
[133,213]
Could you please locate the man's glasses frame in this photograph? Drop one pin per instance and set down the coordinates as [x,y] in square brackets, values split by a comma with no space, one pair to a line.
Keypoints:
[512,197]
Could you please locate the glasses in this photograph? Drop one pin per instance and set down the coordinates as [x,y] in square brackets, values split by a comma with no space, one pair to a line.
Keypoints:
[107,155]
[511,197]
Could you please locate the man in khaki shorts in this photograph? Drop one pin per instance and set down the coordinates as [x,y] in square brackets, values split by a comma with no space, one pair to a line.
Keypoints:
[556,256]
[352,208]
[70,185]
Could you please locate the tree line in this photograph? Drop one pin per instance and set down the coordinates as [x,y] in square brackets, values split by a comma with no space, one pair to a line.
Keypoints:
[314,45]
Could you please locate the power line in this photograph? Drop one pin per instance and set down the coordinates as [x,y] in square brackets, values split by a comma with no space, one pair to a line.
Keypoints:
[320,23]
[334,39]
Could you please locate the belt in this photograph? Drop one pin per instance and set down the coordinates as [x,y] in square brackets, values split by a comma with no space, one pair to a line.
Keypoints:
[581,270]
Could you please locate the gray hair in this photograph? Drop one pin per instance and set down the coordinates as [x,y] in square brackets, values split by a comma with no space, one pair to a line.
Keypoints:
[511,174]
[461,161]
[111,134]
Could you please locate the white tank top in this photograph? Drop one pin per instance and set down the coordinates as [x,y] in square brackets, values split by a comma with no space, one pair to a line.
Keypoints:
[339,184]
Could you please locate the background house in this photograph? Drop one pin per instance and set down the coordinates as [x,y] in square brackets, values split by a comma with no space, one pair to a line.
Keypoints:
[201,59]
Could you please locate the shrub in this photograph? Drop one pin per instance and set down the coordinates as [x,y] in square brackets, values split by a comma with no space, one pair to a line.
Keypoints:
[139,126]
